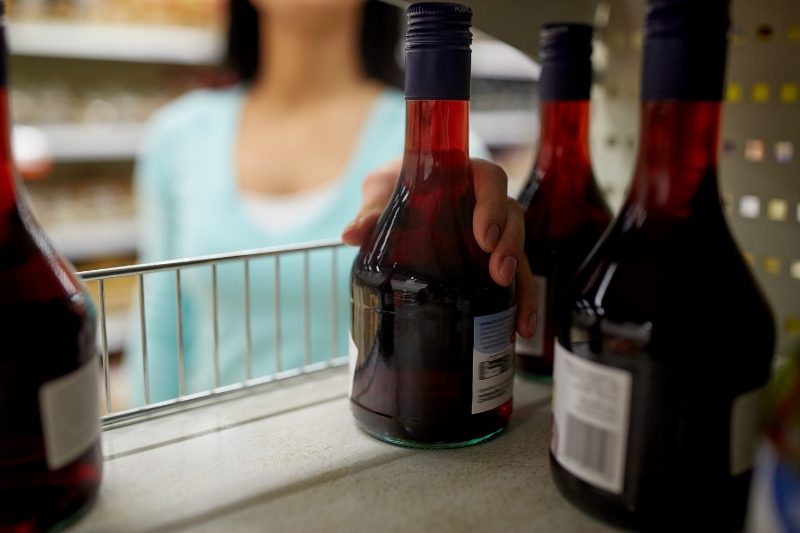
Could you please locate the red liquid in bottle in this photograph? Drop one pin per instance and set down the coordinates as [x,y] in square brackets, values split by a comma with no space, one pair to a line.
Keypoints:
[50,457]
[417,287]
[667,300]
[565,215]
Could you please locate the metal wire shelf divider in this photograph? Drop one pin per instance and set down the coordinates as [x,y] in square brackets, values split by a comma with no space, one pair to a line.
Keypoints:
[141,270]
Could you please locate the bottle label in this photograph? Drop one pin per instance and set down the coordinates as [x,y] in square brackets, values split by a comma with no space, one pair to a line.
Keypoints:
[591,414]
[493,360]
[534,347]
[744,431]
[352,351]
[70,413]
[774,505]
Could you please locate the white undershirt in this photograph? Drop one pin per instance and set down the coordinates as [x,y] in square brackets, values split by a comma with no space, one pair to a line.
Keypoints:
[275,213]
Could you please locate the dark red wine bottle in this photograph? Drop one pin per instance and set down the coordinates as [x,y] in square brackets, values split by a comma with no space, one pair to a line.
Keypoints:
[565,214]
[664,338]
[50,457]
[433,354]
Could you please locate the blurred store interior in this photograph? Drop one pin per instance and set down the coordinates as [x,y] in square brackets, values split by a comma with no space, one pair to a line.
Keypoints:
[87,74]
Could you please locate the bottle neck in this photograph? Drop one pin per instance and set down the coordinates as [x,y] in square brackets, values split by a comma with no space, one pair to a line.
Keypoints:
[563,135]
[677,155]
[437,136]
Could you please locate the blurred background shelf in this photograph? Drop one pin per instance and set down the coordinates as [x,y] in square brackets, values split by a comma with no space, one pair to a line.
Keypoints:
[117,42]
[91,240]
[93,142]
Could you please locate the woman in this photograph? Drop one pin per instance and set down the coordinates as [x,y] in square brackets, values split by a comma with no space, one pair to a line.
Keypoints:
[277,158]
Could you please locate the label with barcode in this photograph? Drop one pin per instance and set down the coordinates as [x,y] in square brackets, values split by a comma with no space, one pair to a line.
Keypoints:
[591,413]
[534,347]
[493,360]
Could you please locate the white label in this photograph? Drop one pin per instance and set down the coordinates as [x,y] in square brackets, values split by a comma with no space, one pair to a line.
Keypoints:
[493,360]
[591,413]
[535,345]
[744,431]
[352,351]
[70,411]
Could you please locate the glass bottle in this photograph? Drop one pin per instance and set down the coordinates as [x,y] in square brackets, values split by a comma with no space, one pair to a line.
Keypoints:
[433,357]
[565,214]
[50,457]
[664,338]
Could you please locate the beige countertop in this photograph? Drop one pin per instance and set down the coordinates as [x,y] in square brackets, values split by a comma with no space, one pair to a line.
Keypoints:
[288,457]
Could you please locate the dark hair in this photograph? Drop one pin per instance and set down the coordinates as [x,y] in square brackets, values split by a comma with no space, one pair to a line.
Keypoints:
[380,35]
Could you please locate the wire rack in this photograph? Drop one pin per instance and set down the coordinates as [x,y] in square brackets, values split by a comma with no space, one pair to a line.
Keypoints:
[140,273]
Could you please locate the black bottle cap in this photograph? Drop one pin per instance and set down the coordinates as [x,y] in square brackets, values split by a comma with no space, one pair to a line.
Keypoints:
[684,49]
[565,52]
[438,54]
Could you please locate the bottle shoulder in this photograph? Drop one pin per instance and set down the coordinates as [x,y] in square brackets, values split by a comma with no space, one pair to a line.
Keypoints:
[32,271]
[559,204]
[679,273]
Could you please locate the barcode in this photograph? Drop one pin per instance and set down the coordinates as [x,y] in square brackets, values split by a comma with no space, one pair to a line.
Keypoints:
[593,447]
[494,367]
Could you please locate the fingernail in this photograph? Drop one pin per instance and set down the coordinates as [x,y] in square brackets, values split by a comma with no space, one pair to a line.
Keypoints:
[348,229]
[492,236]
[533,321]
[352,225]
[508,269]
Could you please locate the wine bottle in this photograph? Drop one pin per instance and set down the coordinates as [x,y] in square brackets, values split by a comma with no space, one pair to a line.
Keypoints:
[50,457]
[774,497]
[565,214]
[664,338]
[432,355]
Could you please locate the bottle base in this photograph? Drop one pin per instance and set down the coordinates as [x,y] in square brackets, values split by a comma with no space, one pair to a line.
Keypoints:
[77,515]
[430,445]
[455,432]
[50,525]
[679,514]
[37,499]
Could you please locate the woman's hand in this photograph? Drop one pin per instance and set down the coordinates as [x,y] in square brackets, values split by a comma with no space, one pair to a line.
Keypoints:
[497,223]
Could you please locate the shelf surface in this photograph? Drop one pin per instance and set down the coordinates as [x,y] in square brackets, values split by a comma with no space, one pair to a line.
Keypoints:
[117,42]
[290,458]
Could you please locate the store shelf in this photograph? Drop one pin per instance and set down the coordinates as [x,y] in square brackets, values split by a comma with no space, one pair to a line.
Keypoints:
[92,142]
[497,60]
[289,457]
[118,42]
[84,241]
[196,46]
[506,128]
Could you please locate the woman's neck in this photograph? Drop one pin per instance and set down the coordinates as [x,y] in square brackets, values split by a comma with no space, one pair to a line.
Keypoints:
[307,57]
